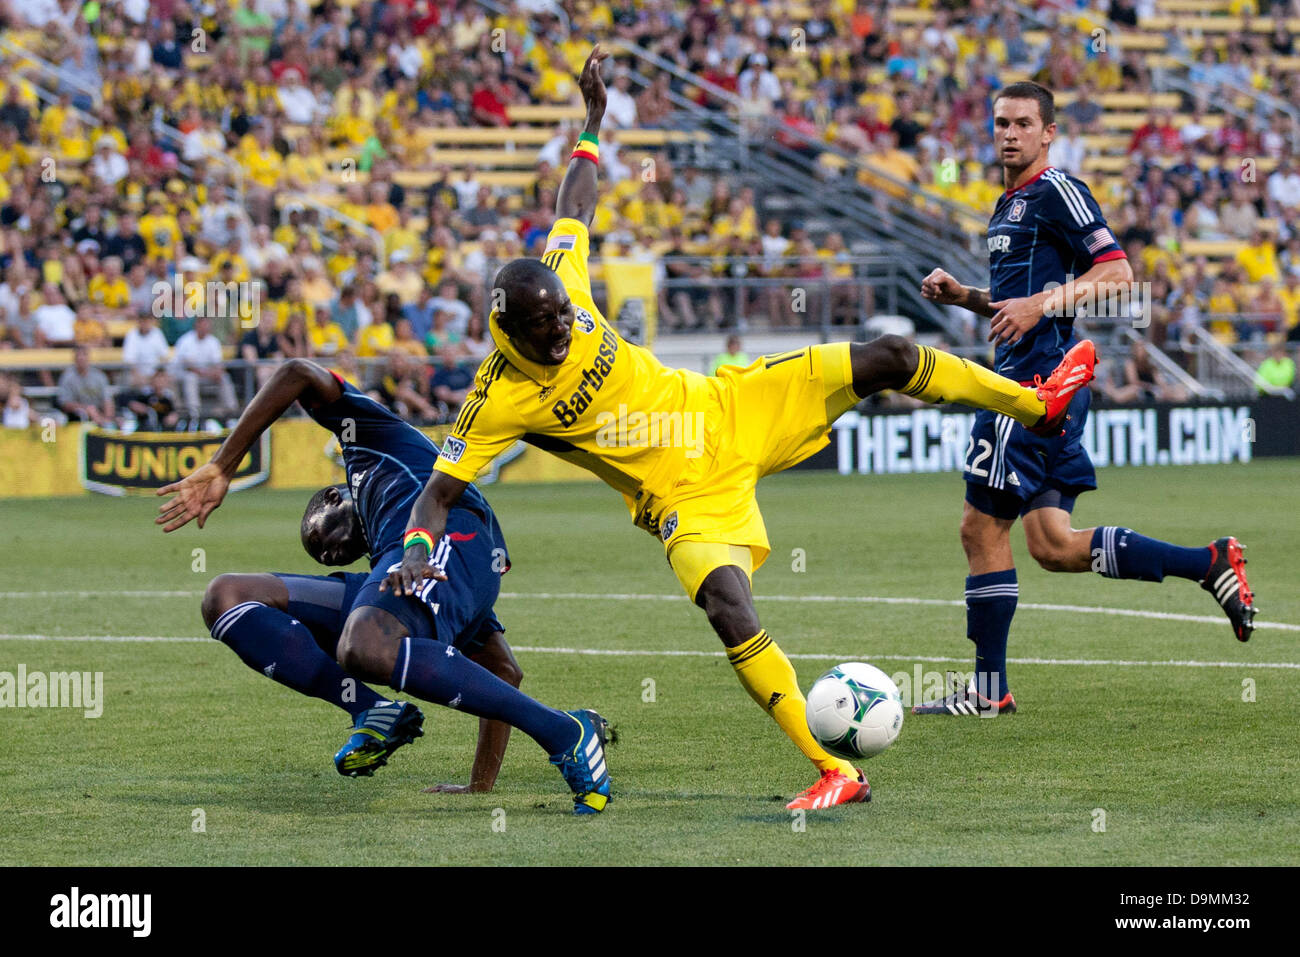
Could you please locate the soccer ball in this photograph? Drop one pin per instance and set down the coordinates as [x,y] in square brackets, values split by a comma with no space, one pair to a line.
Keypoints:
[855,710]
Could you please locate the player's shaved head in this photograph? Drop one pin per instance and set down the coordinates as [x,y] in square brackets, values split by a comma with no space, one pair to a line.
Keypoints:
[331,530]
[533,310]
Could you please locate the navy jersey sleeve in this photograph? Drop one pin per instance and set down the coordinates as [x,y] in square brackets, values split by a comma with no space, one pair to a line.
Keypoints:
[1075,221]
[355,418]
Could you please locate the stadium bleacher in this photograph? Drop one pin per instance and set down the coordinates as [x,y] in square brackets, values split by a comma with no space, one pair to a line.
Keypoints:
[359,136]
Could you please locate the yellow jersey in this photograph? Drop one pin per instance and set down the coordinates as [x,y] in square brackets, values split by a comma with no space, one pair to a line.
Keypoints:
[610,407]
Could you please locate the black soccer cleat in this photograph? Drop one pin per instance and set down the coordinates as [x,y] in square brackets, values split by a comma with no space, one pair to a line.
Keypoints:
[968,701]
[1226,581]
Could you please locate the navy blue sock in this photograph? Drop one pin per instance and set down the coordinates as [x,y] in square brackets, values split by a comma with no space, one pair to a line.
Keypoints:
[438,672]
[282,648]
[990,604]
[1123,553]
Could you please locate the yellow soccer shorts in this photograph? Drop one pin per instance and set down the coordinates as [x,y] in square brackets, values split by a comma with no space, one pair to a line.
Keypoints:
[767,417]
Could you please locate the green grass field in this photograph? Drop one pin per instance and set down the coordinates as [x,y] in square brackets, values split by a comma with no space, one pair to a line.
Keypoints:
[1184,769]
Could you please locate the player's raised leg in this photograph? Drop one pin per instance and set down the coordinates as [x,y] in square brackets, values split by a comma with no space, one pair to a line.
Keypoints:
[1117,552]
[377,646]
[892,362]
[723,592]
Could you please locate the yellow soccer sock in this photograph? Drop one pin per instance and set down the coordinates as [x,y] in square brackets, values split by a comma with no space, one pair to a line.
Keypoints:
[942,377]
[766,673]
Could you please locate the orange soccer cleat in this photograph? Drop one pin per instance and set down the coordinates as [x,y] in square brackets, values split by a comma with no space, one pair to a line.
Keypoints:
[834,787]
[1074,372]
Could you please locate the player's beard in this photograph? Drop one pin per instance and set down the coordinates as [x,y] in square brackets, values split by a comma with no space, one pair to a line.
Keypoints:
[1017,163]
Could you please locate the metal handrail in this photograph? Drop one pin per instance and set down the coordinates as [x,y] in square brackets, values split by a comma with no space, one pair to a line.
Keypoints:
[1204,345]
[732,100]
[95,93]
[348,222]
[1169,367]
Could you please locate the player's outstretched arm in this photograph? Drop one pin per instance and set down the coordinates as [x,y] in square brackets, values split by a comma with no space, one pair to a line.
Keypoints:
[430,514]
[1013,318]
[199,493]
[943,288]
[577,196]
[493,736]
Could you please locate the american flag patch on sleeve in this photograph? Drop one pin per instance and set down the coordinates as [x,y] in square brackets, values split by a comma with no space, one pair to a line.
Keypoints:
[1099,239]
[560,242]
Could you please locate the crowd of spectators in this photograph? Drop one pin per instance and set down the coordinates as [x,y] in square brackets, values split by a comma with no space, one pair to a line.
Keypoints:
[193,141]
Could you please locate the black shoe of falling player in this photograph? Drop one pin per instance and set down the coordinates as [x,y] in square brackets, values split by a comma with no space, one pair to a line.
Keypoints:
[1226,581]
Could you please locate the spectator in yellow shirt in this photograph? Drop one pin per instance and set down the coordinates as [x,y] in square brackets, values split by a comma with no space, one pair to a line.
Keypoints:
[1290,296]
[232,255]
[381,214]
[401,278]
[159,230]
[556,82]
[1223,310]
[327,337]
[1259,258]
[109,288]
[740,221]
[73,143]
[375,340]
[89,330]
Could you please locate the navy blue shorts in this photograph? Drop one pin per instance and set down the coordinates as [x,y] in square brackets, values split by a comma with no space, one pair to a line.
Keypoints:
[1010,471]
[458,611]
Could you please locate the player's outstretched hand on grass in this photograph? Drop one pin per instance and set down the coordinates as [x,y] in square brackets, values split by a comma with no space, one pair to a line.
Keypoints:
[411,574]
[592,84]
[454,789]
[195,496]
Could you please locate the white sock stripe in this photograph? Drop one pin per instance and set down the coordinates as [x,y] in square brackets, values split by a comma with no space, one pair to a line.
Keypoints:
[1112,559]
[406,662]
[1004,439]
[223,624]
[1013,589]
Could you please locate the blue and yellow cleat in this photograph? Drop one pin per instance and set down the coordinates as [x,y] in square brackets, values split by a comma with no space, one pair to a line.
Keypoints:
[378,732]
[583,765]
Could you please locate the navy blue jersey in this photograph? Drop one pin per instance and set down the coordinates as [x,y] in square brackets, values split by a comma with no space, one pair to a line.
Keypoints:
[388,462]
[1046,231]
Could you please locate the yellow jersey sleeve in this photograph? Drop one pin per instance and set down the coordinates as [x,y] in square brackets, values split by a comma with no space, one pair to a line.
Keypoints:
[486,426]
[567,249]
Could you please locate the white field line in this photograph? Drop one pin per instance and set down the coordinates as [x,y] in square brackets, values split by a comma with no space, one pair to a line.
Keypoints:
[812,599]
[699,653]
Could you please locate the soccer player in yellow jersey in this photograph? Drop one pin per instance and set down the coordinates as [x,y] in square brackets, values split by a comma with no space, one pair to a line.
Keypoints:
[685,450]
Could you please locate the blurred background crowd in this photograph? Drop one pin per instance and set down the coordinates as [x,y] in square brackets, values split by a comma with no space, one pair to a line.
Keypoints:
[193,191]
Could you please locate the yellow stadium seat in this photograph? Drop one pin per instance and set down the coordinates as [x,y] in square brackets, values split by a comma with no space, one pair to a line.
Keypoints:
[487,158]
[535,113]
[1212,248]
